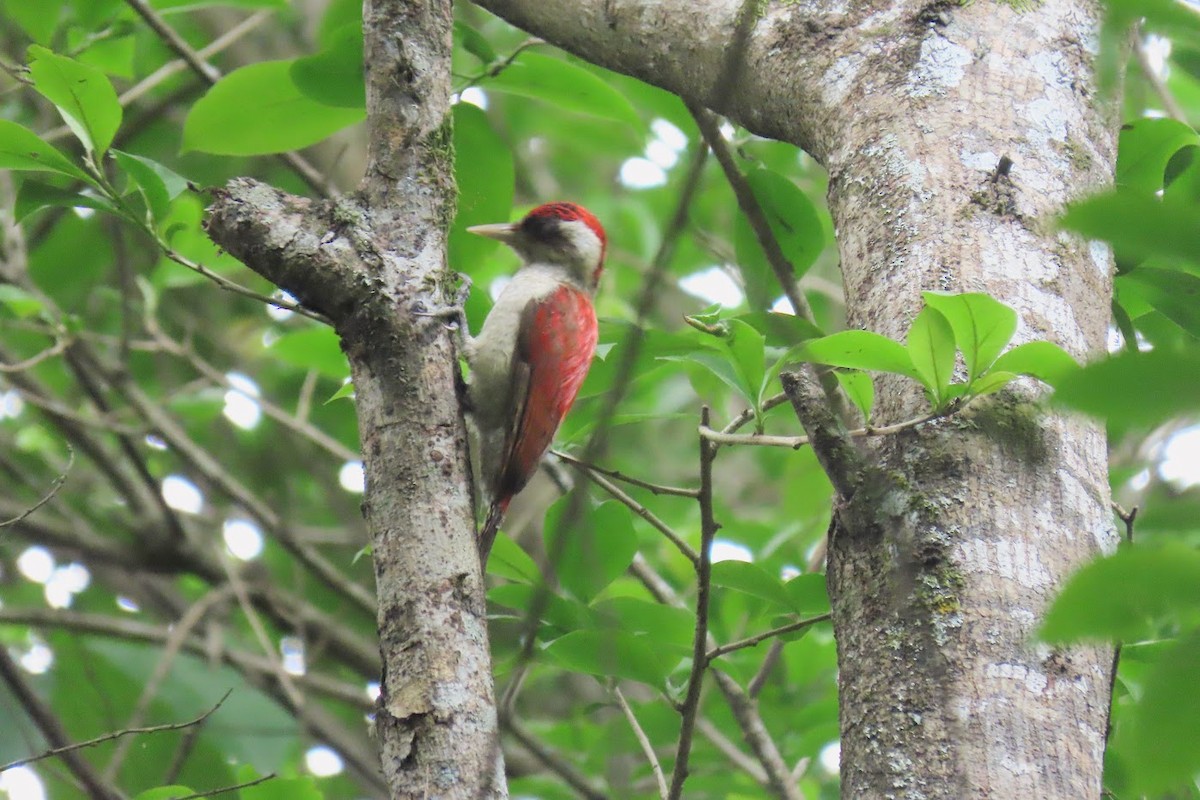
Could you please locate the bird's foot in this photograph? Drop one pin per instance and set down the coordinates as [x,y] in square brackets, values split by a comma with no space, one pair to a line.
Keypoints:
[454,316]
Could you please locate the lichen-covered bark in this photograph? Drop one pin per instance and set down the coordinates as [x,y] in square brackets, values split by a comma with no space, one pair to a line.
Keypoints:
[368,263]
[938,593]
[958,534]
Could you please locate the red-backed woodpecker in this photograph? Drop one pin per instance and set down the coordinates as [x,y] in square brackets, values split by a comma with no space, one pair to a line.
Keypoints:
[534,350]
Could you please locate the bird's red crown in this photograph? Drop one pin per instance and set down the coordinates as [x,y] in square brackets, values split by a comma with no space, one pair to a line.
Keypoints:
[571,212]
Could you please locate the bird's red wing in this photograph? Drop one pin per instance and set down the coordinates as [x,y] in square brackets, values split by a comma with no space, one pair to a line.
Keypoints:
[558,338]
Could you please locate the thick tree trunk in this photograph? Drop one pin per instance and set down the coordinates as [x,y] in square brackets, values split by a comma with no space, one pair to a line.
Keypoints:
[940,571]
[944,694]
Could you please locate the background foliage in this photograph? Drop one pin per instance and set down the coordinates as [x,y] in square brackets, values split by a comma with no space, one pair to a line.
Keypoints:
[179,464]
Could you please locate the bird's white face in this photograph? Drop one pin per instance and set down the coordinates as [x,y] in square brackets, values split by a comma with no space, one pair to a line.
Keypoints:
[583,247]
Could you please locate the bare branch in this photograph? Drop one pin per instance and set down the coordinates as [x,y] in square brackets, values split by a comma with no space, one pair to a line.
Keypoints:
[637,508]
[553,761]
[54,487]
[53,730]
[654,488]
[644,741]
[108,737]
[751,641]
[708,531]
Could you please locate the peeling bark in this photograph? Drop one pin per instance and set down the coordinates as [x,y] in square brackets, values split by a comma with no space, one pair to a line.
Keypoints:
[958,534]
[368,263]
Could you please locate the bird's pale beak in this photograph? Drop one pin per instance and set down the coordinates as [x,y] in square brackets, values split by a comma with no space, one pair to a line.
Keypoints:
[500,231]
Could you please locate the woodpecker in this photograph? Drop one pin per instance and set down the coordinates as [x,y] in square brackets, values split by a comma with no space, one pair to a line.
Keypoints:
[534,349]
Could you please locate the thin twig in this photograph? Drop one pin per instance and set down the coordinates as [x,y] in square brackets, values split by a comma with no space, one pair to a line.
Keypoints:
[785,272]
[644,741]
[796,442]
[179,634]
[249,664]
[708,531]
[745,710]
[295,423]
[633,505]
[260,633]
[108,737]
[751,641]
[245,785]
[232,286]
[553,761]
[52,729]
[215,47]
[31,362]
[654,488]
[54,488]
[730,750]
[1169,103]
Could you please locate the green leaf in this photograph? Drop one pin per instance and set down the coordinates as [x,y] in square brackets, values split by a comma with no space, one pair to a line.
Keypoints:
[20,302]
[565,85]
[334,76]
[83,95]
[721,364]
[474,42]
[593,550]
[1045,361]
[1126,595]
[21,148]
[747,351]
[313,348]
[860,350]
[796,226]
[1139,227]
[780,330]
[508,560]
[1163,734]
[859,388]
[982,326]
[157,184]
[346,390]
[1175,294]
[278,788]
[1145,148]
[483,171]
[751,579]
[561,613]
[612,653]
[259,109]
[35,195]
[662,624]
[992,382]
[808,594]
[1135,388]
[931,348]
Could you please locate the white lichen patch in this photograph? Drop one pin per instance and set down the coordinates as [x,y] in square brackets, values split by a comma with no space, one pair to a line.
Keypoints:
[839,78]
[1011,559]
[1052,67]
[1034,681]
[1047,120]
[980,162]
[939,68]
[1102,256]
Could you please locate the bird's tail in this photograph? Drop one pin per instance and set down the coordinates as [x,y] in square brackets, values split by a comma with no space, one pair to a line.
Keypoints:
[491,525]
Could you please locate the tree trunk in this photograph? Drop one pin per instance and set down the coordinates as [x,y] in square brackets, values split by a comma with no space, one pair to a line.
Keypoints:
[940,571]
[369,265]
